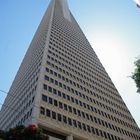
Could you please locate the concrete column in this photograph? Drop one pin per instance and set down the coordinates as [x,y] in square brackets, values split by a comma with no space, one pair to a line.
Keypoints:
[70,137]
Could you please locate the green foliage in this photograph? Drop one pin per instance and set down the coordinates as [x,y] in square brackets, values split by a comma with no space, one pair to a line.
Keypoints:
[23,133]
[136,75]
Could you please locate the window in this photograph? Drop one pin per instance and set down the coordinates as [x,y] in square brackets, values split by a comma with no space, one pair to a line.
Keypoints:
[59,117]
[60,84]
[79,125]
[65,107]
[88,128]
[50,89]
[51,80]
[97,132]
[55,103]
[46,78]
[47,69]
[60,105]
[64,119]
[74,123]
[59,93]
[64,96]
[42,110]
[69,121]
[72,99]
[54,91]
[70,109]
[93,130]
[45,87]
[68,97]
[50,101]
[74,110]
[56,82]
[48,112]
[53,115]
[79,113]
[44,98]
[84,126]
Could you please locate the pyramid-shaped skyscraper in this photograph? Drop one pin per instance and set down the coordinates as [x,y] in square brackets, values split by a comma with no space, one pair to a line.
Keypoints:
[62,87]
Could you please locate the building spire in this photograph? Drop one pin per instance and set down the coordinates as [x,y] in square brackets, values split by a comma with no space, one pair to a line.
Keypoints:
[65,8]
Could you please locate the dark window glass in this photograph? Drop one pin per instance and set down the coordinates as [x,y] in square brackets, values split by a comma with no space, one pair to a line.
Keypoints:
[47,69]
[79,113]
[54,91]
[45,87]
[59,93]
[84,126]
[72,99]
[60,84]
[65,107]
[51,80]
[55,103]
[95,120]
[93,130]
[69,121]
[51,72]
[59,117]
[83,114]
[105,135]
[74,110]
[97,132]
[101,134]
[88,128]
[50,100]
[64,119]
[109,136]
[42,110]
[55,74]
[48,112]
[50,89]
[68,97]
[64,96]
[46,78]
[87,116]
[79,125]
[91,118]
[44,98]
[56,82]
[70,108]
[76,101]
[53,115]
[60,105]
[74,123]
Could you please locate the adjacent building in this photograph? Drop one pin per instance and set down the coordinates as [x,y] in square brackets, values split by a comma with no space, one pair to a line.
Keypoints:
[62,87]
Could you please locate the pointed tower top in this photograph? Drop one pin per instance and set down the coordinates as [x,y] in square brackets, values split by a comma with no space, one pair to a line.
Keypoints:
[65,8]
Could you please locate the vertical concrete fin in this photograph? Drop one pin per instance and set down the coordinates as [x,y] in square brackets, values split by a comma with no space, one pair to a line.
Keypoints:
[65,8]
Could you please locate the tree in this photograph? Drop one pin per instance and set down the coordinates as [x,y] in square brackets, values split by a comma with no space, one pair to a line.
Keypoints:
[136,75]
[31,132]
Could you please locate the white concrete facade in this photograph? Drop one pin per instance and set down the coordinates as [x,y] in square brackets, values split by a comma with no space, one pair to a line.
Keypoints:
[62,87]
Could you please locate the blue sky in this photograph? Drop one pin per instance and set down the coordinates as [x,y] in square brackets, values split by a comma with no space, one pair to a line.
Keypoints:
[111,26]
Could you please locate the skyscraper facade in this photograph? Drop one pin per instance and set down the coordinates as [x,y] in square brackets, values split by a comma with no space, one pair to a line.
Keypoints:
[62,87]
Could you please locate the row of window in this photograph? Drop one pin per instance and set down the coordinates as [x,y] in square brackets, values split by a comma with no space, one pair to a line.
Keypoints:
[84,115]
[75,91]
[55,43]
[82,76]
[67,80]
[70,40]
[95,74]
[76,60]
[77,124]
[61,59]
[106,83]
[81,104]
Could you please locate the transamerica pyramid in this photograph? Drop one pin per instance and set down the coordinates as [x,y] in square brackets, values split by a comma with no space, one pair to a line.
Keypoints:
[62,87]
